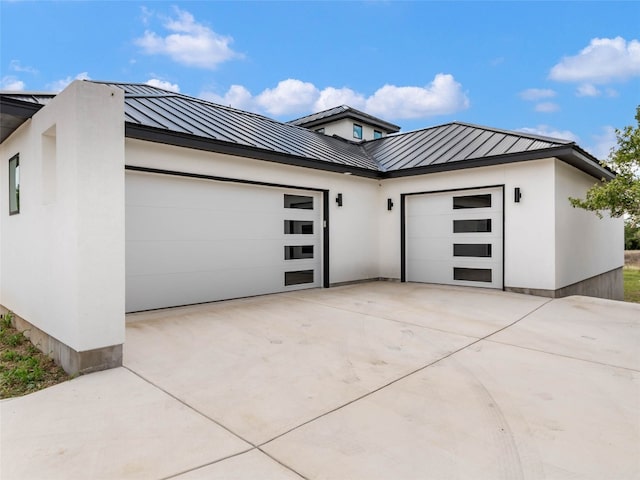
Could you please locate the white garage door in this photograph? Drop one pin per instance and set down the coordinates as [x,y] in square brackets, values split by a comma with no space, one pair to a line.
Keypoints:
[197,240]
[455,238]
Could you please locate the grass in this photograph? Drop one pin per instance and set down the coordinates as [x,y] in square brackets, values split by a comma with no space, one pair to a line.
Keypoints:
[631,284]
[23,368]
[631,275]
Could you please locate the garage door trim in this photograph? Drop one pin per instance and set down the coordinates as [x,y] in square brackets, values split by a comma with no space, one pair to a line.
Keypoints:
[403,219]
[325,203]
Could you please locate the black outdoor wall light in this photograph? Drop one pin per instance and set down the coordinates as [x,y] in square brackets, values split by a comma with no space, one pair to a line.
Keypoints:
[389,204]
[517,195]
[339,199]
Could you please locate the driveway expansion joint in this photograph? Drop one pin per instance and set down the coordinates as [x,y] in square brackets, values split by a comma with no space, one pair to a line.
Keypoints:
[190,407]
[381,317]
[402,377]
[556,354]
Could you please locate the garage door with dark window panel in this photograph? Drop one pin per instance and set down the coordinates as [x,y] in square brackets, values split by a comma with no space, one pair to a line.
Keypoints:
[192,240]
[455,237]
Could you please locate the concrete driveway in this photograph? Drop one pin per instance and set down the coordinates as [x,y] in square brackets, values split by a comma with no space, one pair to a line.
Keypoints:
[375,380]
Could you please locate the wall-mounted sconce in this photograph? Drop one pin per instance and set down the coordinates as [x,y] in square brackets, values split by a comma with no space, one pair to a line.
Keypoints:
[339,199]
[517,195]
[389,204]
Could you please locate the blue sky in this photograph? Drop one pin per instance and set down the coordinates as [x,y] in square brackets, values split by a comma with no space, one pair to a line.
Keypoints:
[564,69]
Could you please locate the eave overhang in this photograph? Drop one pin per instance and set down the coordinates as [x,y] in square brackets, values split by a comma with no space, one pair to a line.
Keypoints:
[570,154]
[178,139]
[14,113]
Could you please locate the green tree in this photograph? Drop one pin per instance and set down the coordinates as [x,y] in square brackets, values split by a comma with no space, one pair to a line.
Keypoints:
[620,196]
[631,237]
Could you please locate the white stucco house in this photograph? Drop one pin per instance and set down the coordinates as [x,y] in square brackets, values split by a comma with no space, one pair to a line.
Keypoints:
[123,197]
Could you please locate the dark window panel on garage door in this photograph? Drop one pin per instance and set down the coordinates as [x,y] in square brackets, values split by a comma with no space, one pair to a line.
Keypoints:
[472,250]
[298,227]
[298,277]
[472,201]
[297,252]
[298,201]
[472,226]
[472,274]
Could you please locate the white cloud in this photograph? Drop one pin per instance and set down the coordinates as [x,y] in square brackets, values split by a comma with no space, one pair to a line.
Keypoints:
[289,97]
[59,85]
[11,83]
[189,42]
[547,107]
[237,97]
[442,96]
[547,131]
[172,87]
[602,61]
[16,66]
[332,97]
[603,143]
[533,94]
[294,97]
[587,90]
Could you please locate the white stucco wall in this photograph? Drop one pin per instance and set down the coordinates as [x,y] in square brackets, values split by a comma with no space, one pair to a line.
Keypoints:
[585,244]
[365,236]
[529,225]
[62,256]
[344,128]
[353,227]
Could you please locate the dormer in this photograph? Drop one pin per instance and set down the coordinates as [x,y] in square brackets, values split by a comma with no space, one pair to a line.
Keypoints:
[348,123]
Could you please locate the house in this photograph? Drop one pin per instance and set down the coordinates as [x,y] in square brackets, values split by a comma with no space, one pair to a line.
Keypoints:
[125,197]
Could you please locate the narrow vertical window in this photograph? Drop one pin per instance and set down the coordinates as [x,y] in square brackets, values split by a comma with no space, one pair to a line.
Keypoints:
[14,185]
[357,131]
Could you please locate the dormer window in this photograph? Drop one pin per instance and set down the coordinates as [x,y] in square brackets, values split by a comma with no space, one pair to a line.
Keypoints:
[377,134]
[357,131]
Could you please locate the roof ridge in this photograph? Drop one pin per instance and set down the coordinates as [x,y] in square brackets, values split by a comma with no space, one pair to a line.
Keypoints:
[344,107]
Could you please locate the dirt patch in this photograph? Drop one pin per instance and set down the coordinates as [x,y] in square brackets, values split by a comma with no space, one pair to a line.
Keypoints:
[632,258]
[23,368]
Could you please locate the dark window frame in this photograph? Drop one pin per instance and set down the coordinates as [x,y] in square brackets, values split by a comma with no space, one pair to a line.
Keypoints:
[357,131]
[14,184]
[377,134]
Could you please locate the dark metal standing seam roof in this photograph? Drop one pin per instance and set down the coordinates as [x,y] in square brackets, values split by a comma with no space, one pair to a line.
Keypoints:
[158,115]
[154,108]
[452,142]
